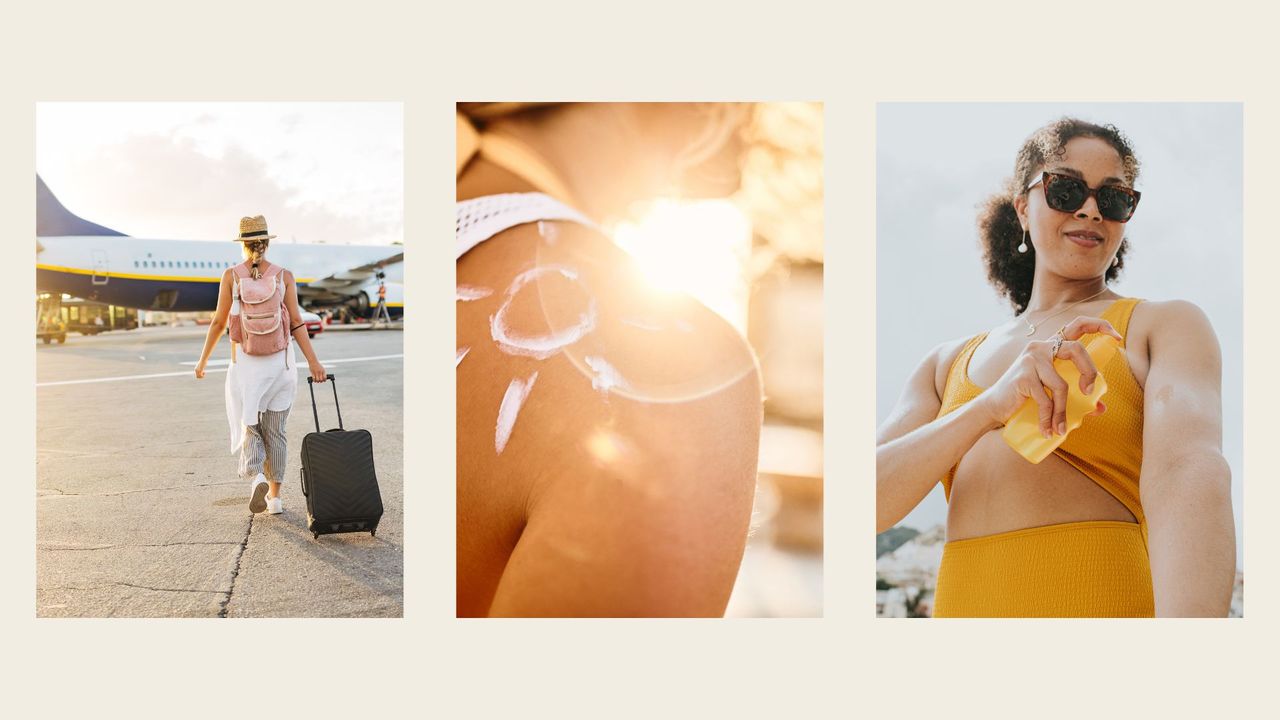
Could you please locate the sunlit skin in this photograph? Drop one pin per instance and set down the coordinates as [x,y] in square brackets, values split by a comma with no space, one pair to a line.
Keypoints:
[218,326]
[634,501]
[1174,356]
[697,248]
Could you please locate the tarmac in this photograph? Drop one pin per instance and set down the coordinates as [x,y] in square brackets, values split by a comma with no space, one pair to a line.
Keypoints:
[139,509]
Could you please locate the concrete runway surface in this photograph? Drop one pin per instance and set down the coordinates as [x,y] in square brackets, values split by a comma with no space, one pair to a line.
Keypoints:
[140,512]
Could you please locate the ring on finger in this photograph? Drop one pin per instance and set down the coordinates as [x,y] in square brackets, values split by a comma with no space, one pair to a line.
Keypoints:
[1057,341]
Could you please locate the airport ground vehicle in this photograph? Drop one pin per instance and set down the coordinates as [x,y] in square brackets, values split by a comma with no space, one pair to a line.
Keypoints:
[51,329]
[57,315]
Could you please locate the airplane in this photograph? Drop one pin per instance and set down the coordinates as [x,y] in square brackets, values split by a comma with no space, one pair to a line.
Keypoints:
[84,259]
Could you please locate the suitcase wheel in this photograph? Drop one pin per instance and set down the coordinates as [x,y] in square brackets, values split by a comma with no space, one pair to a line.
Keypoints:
[315,536]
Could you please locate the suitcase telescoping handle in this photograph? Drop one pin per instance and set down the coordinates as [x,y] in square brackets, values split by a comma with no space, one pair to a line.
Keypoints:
[314,413]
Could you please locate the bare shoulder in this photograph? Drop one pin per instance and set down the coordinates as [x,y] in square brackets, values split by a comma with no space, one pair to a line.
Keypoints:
[1165,321]
[937,363]
[1172,336]
[570,364]
[1171,311]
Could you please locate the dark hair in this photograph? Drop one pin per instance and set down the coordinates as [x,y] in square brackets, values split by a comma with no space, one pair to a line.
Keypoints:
[1010,271]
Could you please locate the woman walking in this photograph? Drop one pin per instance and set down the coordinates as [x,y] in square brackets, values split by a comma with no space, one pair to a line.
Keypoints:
[259,302]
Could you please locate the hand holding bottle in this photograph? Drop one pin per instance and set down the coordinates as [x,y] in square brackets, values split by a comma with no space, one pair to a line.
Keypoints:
[1032,376]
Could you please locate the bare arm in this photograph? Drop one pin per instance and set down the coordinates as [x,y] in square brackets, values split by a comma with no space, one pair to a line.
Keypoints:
[298,330]
[658,533]
[218,324]
[914,450]
[1185,482]
[630,501]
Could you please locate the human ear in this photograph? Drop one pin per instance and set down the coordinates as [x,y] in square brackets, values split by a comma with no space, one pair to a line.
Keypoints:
[1020,207]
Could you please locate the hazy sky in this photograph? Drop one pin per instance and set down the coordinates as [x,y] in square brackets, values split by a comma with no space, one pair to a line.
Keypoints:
[319,172]
[937,162]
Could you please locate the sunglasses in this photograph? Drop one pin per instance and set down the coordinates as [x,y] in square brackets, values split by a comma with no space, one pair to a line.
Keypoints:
[1068,194]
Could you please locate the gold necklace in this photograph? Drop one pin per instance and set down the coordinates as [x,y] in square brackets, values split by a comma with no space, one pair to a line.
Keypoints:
[1031,329]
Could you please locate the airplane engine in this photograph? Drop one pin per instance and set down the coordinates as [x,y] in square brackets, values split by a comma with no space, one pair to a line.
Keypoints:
[360,304]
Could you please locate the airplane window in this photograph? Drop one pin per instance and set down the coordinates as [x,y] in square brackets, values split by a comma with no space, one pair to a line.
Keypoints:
[135,263]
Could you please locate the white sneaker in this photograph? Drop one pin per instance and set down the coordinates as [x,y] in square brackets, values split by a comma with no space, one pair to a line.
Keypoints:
[258,494]
[275,506]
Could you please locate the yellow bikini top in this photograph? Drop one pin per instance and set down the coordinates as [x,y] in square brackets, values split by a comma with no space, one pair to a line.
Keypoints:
[1107,448]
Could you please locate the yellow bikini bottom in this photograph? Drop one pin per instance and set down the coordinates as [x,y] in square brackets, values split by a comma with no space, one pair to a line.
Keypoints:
[1082,569]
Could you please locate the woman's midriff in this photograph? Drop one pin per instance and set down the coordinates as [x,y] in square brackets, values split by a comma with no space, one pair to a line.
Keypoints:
[996,490]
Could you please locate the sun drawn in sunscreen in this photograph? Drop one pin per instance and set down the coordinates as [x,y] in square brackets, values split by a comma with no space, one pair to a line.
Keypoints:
[539,347]
[467,293]
[605,377]
[516,394]
[548,232]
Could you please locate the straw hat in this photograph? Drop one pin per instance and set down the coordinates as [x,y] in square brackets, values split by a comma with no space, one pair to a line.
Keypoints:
[253,228]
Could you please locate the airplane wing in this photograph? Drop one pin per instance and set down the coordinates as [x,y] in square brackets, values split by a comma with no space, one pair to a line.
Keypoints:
[345,283]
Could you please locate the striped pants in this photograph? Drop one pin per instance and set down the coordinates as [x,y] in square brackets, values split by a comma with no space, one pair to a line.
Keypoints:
[266,448]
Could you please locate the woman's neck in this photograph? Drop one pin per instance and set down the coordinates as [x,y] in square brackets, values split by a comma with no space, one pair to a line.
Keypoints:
[1050,292]
[587,151]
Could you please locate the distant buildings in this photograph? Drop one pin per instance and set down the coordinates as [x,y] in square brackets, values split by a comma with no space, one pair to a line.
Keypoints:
[909,574]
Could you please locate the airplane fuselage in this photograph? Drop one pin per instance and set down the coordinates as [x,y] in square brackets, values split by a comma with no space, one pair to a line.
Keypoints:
[184,275]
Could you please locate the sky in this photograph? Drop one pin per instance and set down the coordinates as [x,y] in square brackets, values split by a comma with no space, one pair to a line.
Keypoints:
[935,163]
[319,172]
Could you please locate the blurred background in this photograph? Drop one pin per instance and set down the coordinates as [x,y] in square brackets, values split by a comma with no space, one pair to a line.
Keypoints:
[935,163]
[756,259]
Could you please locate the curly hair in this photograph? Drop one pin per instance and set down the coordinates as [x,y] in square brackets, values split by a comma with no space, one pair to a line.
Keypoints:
[1010,271]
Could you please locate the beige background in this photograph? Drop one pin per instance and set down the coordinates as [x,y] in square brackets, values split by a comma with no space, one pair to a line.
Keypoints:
[429,663]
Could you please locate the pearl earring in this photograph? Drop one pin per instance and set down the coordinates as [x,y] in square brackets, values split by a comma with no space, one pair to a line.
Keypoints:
[1023,247]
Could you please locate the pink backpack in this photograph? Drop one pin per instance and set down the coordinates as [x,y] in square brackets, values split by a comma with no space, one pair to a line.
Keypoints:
[260,327]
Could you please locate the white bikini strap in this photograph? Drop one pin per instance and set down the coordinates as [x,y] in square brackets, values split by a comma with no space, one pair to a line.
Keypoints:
[481,218]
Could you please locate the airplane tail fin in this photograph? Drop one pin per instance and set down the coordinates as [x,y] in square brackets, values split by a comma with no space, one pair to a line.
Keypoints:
[53,218]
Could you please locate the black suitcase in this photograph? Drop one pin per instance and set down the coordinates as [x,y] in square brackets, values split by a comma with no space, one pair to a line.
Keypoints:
[338,479]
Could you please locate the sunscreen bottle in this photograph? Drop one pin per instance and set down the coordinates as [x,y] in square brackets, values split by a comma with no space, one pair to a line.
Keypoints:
[1022,432]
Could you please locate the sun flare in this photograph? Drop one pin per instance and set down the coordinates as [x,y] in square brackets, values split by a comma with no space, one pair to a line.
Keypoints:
[695,247]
